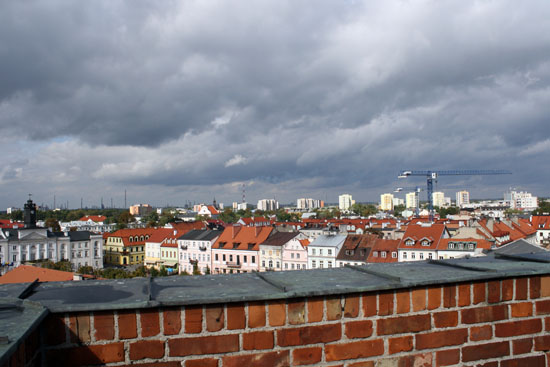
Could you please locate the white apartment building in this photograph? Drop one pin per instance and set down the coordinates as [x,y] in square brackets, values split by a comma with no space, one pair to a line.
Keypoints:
[462,198]
[345,201]
[308,203]
[386,202]
[521,200]
[323,251]
[398,201]
[411,200]
[268,204]
[438,199]
[195,249]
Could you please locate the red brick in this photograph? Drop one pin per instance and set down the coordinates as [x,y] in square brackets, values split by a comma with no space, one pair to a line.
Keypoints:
[305,356]
[484,314]
[434,298]
[445,319]
[545,286]
[493,291]
[87,355]
[258,340]
[214,318]
[54,329]
[478,333]
[522,309]
[351,306]
[449,296]
[447,357]
[542,343]
[79,328]
[385,303]
[417,360]
[485,351]
[104,325]
[542,307]
[279,359]
[535,361]
[507,290]
[534,287]
[309,335]
[315,309]
[256,314]
[488,364]
[441,338]
[353,350]
[522,346]
[236,318]
[146,349]
[359,329]
[403,301]
[360,364]
[418,299]
[204,362]
[172,321]
[515,328]
[203,345]
[405,324]
[547,324]
[152,364]
[296,312]
[193,319]
[400,344]
[150,322]
[127,325]
[277,313]
[521,288]
[480,294]
[369,305]
[464,295]
[334,308]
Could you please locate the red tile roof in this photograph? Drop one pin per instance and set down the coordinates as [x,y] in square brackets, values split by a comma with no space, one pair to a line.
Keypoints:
[242,238]
[28,273]
[480,244]
[419,233]
[94,218]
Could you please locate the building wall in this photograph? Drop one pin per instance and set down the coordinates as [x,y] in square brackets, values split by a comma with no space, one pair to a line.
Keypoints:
[386,202]
[500,323]
[234,261]
[195,250]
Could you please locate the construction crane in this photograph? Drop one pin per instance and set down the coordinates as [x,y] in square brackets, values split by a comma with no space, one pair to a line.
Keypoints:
[416,190]
[432,176]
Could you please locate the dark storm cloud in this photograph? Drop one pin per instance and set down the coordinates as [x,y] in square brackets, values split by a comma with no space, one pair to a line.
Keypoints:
[343,94]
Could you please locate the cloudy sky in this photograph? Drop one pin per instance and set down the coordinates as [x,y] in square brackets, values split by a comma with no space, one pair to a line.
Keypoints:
[180,101]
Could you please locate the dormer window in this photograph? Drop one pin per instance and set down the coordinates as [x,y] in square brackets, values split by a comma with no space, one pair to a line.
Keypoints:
[425,243]
[375,254]
[451,245]
[409,242]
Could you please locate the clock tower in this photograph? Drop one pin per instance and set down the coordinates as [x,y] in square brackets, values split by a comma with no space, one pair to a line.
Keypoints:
[29,214]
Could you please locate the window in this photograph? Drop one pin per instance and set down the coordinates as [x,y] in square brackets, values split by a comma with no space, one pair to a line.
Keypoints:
[263,263]
[321,264]
[292,266]
[404,255]
[292,255]
[216,257]
[230,257]
[278,265]
[313,251]
[329,251]
[409,242]
[383,253]
[430,256]
[270,264]
[253,259]
[245,258]
[413,255]
[321,252]
[330,264]
[421,256]
[394,254]
[375,254]
[297,256]
[286,265]
[313,264]
[425,243]
[223,257]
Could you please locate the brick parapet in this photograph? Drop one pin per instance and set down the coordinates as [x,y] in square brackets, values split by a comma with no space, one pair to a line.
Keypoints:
[488,322]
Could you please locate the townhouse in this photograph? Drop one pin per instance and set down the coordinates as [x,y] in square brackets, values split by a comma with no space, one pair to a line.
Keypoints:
[237,249]
[541,223]
[295,253]
[153,247]
[169,254]
[272,250]
[195,250]
[420,241]
[127,246]
[323,251]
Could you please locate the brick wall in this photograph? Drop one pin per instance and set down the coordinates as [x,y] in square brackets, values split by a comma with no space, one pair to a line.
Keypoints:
[491,323]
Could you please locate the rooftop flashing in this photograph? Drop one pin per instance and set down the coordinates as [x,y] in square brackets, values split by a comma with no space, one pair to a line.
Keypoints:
[93,295]
[18,318]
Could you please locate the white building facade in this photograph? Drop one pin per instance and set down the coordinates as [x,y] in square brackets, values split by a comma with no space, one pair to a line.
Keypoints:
[322,252]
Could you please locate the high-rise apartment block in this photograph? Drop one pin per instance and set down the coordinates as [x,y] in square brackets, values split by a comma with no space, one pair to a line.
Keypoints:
[345,201]
[309,203]
[411,200]
[141,210]
[386,202]
[462,198]
[438,199]
[268,204]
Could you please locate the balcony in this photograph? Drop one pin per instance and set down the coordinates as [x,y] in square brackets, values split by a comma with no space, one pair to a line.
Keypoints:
[203,248]
[191,261]
[183,247]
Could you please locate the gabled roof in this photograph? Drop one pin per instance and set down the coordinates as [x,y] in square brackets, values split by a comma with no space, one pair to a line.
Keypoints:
[416,232]
[160,234]
[126,233]
[184,227]
[93,218]
[242,238]
[383,245]
[328,241]
[279,239]
[356,247]
[519,247]
[541,222]
[28,273]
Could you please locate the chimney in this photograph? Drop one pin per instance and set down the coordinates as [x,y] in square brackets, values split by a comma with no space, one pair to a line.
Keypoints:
[257,231]
[234,231]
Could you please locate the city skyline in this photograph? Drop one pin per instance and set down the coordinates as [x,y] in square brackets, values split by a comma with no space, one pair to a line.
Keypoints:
[187,101]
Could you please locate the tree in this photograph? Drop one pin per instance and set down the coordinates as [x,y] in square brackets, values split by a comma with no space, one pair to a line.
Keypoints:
[16,215]
[86,270]
[53,224]
[196,270]
[163,272]
[228,216]
[398,209]
[152,219]
[451,210]
[166,218]
[543,208]
[125,218]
